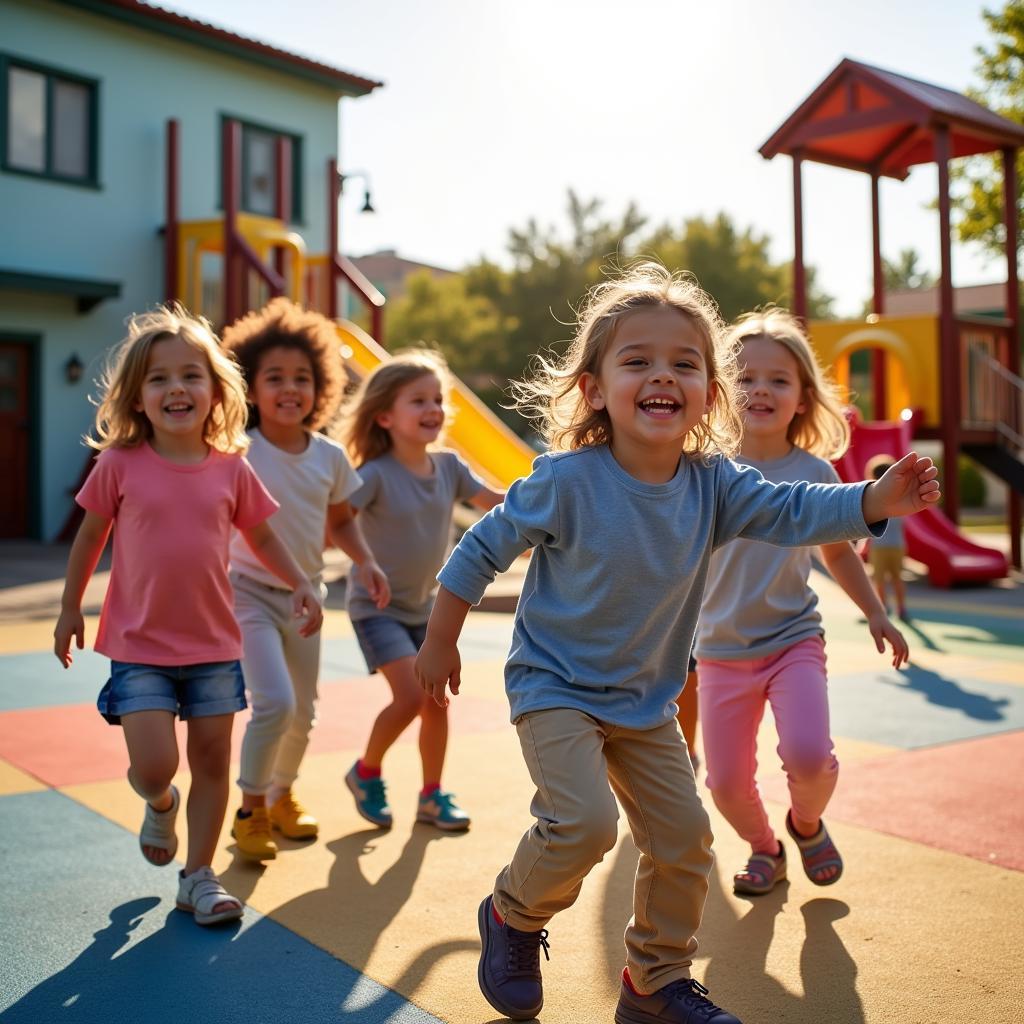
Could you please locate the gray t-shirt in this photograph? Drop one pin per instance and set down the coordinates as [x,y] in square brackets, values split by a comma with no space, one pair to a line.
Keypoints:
[304,484]
[610,600]
[893,536]
[757,600]
[407,521]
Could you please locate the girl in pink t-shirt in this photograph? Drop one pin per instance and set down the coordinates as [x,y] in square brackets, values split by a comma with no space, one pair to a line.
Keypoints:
[172,476]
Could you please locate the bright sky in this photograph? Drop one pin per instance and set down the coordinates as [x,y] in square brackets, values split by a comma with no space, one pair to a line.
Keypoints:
[492,109]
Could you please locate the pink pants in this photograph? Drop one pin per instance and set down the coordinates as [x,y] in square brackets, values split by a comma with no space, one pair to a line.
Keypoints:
[732,697]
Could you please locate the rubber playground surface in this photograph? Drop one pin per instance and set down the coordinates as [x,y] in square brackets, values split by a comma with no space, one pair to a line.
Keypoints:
[365,926]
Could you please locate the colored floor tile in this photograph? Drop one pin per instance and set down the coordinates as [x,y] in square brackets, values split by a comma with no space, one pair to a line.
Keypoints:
[920,707]
[115,951]
[964,797]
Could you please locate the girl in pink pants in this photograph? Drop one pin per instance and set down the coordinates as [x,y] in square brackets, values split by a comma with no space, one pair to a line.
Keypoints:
[760,640]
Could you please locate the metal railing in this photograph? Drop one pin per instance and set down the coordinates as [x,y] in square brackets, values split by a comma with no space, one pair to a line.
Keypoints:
[993,397]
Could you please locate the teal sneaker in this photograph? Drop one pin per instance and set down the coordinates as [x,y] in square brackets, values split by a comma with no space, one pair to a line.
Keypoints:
[438,808]
[371,802]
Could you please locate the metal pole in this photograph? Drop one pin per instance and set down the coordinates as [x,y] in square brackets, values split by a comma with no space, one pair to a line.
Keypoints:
[949,342]
[879,381]
[1013,315]
[229,188]
[171,283]
[799,274]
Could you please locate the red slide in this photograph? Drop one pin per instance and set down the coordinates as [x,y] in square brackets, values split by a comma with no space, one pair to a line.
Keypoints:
[931,537]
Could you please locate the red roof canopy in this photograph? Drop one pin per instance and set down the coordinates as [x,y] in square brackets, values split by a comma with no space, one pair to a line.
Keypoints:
[867,119]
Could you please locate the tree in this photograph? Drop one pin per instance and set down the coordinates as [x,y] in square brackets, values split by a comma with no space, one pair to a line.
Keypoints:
[978,197]
[906,272]
[734,266]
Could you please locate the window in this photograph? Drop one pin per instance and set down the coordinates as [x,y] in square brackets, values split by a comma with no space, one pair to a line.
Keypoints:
[259,170]
[48,122]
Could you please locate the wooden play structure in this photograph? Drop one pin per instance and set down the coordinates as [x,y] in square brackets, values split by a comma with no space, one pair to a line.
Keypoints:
[950,378]
[223,267]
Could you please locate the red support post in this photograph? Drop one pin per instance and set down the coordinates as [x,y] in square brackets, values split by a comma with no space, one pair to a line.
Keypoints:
[1013,315]
[230,146]
[799,274]
[283,192]
[172,286]
[879,381]
[332,237]
[949,342]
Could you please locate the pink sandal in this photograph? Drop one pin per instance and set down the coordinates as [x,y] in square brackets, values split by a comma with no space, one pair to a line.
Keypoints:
[817,852]
[762,873]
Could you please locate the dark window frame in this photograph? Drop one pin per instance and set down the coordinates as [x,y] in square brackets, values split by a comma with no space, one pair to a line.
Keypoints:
[297,140]
[52,74]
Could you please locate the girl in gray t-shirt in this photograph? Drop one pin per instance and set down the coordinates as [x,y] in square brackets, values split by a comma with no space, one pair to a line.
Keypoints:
[759,638]
[405,507]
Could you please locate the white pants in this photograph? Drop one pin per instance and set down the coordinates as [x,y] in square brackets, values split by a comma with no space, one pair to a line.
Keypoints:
[281,671]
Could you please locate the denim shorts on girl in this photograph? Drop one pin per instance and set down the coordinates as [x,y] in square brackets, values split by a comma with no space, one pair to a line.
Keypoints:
[189,691]
[383,639]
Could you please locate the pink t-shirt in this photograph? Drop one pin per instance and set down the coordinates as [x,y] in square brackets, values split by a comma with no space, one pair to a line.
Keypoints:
[169,601]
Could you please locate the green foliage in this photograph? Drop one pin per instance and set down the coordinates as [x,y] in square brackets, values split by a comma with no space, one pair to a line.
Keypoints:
[490,321]
[978,197]
[902,273]
[971,482]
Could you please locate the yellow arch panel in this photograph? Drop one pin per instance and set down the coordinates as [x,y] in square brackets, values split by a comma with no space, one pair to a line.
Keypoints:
[913,368]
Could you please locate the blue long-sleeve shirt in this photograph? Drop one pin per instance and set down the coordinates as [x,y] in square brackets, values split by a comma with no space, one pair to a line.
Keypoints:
[609,605]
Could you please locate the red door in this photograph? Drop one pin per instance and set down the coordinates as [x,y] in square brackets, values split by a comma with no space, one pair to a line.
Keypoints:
[14,439]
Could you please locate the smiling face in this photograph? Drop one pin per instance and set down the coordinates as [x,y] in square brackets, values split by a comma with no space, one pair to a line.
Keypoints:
[177,391]
[416,415]
[283,388]
[653,383]
[770,381]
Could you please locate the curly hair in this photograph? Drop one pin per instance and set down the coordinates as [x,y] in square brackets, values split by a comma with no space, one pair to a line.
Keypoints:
[552,397]
[283,324]
[119,422]
[365,438]
[822,428]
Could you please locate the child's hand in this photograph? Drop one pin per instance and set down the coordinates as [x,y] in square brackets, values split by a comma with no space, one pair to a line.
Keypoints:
[904,488]
[305,603]
[70,624]
[372,577]
[438,664]
[882,629]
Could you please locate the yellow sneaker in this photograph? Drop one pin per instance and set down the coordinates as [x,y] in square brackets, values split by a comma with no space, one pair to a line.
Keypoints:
[291,819]
[252,835]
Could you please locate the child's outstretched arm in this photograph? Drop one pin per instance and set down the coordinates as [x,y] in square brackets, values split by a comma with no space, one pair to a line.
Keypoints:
[904,488]
[485,499]
[438,663]
[279,560]
[344,531]
[847,570]
[85,553]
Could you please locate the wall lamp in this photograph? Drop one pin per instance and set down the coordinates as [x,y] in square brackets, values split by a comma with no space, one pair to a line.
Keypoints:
[367,206]
[73,369]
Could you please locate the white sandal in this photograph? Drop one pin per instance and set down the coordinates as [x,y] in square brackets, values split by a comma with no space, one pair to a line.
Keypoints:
[200,892]
[158,830]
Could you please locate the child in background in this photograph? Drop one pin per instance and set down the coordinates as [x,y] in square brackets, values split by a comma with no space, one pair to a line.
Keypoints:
[292,367]
[886,552]
[760,638]
[172,477]
[623,515]
[405,505]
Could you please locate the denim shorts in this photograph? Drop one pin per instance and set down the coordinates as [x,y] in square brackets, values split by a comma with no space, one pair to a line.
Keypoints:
[189,691]
[383,639]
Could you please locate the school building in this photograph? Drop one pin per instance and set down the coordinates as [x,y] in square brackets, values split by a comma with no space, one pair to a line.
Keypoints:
[94,94]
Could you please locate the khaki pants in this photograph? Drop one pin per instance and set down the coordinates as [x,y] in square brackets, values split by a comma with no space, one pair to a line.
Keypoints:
[576,762]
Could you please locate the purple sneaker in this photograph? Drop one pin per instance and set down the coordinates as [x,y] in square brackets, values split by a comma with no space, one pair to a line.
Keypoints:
[680,1002]
[509,971]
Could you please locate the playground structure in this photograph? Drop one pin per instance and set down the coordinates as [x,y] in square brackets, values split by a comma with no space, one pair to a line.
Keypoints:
[255,258]
[950,378]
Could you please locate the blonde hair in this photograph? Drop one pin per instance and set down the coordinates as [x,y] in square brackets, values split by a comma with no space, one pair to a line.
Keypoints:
[365,437]
[120,425]
[283,324]
[822,428]
[552,397]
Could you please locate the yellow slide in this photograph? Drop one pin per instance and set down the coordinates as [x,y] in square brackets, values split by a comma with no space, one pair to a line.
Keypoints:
[494,451]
